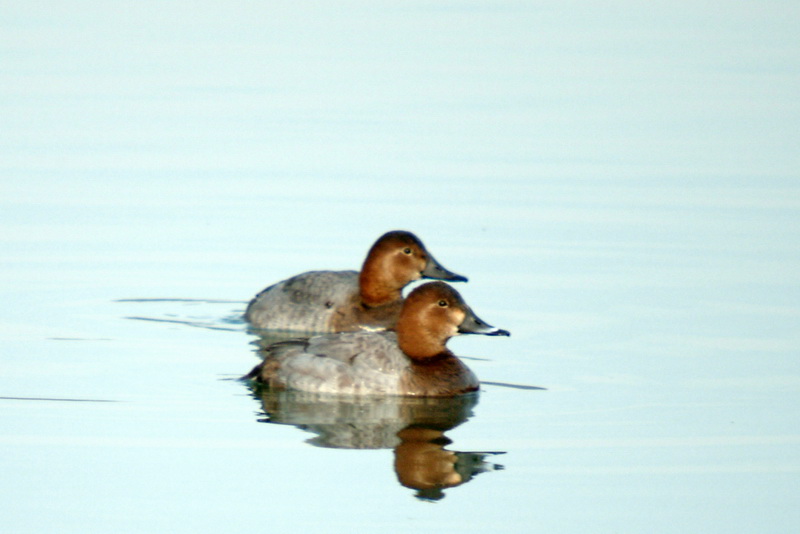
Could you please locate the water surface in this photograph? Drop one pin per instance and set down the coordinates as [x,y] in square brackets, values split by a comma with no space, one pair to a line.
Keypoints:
[619,182]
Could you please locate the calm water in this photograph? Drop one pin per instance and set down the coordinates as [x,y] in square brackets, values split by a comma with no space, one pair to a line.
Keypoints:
[620,183]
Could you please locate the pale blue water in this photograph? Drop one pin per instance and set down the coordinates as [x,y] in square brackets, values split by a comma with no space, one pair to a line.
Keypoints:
[619,181]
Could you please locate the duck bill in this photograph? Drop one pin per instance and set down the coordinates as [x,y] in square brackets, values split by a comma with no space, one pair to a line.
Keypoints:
[472,324]
[433,269]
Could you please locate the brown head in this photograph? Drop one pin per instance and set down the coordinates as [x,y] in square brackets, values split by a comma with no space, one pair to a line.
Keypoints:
[396,259]
[432,314]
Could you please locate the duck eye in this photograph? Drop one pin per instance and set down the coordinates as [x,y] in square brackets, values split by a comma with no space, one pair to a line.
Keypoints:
[407,251]
[443,303]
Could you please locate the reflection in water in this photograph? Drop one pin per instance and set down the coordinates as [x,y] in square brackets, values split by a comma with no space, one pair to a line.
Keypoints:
[422,463]
[414,427]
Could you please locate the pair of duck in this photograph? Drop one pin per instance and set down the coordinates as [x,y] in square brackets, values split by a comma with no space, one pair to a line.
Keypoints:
[373,341]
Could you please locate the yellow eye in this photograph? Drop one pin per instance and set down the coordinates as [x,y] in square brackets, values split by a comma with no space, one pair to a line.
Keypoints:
[407,251]
[443,303]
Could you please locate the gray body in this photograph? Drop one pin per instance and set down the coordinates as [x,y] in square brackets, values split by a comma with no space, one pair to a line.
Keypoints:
[307,302]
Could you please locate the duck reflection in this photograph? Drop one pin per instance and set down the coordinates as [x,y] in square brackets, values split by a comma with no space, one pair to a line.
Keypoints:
[414,427]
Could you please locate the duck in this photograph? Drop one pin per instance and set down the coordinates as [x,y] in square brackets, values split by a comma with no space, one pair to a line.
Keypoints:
[409,360]
[348,301]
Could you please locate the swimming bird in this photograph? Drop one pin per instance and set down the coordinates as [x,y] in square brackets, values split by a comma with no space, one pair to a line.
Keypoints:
[411,360]
[346,301]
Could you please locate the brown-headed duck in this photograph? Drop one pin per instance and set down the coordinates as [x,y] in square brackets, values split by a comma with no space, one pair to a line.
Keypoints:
[348,301]
[411,360]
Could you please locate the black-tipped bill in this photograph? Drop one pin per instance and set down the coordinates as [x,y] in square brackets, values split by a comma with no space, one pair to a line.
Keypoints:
[472,324]
[433,269]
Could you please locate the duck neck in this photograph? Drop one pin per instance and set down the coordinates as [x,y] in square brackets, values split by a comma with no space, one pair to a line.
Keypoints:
[417,341]
[377,287]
